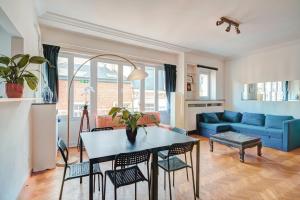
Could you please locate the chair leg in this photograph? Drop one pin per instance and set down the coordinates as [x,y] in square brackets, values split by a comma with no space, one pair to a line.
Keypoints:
[193,183]
[135,190]
[94,182]
[173,178]
[115,193]
[104,189]
[62,184]
[164,180]
[98,182]
[170,186]
[187,171]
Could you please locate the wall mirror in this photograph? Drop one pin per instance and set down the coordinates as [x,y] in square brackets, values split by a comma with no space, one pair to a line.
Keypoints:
[272,91]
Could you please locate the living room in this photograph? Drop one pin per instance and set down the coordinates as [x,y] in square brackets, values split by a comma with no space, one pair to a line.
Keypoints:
[218,80]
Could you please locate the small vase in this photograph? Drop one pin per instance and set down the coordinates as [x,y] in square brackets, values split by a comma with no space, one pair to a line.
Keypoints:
[14,90]
[131,135]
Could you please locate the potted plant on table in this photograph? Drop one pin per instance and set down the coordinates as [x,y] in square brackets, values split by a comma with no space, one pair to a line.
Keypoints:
[130,121]
[14,72]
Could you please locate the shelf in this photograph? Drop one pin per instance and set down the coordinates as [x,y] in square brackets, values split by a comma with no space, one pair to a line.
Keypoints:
[3,100]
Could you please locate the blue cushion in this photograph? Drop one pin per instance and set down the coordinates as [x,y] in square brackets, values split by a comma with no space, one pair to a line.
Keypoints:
[230,116]
[276,121]
[219,127]
[210,118]
[253,119]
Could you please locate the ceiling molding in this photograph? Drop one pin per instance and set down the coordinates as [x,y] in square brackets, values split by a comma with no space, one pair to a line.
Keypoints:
[50,18]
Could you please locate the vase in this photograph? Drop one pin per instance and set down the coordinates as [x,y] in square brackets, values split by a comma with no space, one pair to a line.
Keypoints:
[131,135]
[14,90]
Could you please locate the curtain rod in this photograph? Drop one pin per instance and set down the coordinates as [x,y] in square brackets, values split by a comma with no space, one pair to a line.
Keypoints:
[207,67]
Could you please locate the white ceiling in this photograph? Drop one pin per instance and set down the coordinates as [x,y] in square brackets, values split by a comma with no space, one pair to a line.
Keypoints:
[190,23]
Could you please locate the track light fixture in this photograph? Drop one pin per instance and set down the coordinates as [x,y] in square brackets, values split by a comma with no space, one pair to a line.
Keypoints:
[229,22]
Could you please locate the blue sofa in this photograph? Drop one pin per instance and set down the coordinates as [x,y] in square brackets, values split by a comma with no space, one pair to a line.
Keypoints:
[279,132]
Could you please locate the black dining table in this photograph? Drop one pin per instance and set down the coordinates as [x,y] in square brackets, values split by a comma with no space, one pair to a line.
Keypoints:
[103,146]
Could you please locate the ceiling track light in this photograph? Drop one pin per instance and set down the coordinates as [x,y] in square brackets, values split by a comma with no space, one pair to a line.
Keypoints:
[230,23]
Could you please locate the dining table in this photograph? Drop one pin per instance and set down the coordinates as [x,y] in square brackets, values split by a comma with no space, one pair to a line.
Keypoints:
[102,146]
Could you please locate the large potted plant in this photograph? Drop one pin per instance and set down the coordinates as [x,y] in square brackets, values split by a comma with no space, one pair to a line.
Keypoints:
[130,121]
[14,73]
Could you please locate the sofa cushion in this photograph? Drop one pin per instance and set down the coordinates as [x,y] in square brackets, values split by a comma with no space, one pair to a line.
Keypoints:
[256,130]
[210,118]
[253,119]
[276,121]
[230,116]
[217,127]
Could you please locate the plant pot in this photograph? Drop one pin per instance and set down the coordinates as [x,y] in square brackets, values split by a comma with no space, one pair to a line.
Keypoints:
[131,135]
[14,90]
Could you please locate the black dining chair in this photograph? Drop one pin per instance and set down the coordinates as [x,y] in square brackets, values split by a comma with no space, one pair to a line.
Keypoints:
[77,170]
[164,154]
[127,172]
[172,163]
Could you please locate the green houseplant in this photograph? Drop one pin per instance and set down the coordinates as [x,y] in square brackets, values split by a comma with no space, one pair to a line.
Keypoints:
[14,72]
[130,120]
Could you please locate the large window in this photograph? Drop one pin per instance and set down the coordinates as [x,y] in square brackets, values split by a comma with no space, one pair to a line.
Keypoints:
[107,87]
[62,104]
[109,80]
[81,81]
[150,89]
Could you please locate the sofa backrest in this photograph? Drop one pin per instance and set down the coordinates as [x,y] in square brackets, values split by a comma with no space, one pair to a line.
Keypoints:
[230,116]
[276,121]
[256,119]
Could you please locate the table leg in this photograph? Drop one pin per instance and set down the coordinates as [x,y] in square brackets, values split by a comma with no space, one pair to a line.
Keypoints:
[154,177]
[259,147]
[80,141]
[211,144]
[198,169]
[242,154]
[91,181]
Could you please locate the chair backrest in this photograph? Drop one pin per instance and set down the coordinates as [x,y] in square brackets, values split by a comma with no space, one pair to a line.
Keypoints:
[63,150]
[102,129]
[180,148]
[133,158]
[179,130]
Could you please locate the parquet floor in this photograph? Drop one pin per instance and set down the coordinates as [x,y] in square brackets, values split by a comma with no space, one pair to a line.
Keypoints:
[275,176]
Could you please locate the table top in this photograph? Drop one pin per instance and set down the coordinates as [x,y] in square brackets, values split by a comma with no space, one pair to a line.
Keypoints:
[105,145]
[231,136]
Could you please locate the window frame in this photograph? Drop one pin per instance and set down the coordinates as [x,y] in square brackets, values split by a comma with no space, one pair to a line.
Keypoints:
[208,73]
[93,81]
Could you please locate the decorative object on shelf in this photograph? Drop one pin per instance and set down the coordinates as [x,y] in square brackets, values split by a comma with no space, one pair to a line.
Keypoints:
[136,74]
[14,72]
[188,87]
[47,94]
[189,80]
[130,120]
[230,23]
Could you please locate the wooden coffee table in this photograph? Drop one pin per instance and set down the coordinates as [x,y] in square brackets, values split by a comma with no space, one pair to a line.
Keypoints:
[236,140]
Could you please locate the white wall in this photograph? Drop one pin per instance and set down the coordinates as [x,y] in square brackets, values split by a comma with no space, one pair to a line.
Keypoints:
[5,41]
[15,143]
[271,64]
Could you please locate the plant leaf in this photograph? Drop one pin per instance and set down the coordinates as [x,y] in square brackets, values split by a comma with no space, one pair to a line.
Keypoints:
[32,80]
[17,56]
[23,61]
[37,60]
[4,60]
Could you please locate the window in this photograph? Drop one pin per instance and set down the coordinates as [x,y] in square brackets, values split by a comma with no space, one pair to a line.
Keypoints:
[62,104]
[162,96]
[81,81]
[150,89]
[204,85]
[131,91]
[107,87]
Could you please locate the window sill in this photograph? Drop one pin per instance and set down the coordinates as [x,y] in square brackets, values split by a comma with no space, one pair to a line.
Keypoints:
[3,100]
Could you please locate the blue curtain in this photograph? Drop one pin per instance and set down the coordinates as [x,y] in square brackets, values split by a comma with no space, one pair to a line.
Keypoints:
[51,73]
[170,71]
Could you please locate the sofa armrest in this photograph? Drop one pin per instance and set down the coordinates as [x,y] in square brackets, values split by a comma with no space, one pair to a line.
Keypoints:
[291,134]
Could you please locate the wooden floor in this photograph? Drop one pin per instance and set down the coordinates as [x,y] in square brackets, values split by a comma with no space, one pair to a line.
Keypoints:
[276,175]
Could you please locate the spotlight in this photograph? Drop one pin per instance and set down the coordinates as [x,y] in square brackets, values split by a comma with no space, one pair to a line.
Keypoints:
[219,23]
[228,28]
[237,30]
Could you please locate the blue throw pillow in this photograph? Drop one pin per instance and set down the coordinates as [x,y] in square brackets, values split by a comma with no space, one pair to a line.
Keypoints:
[210,118]
[230,116]
[253,119]
[276,121]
